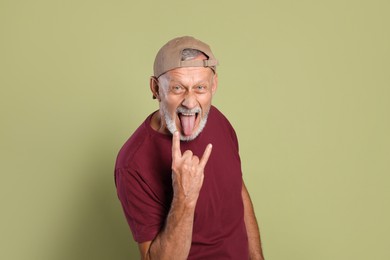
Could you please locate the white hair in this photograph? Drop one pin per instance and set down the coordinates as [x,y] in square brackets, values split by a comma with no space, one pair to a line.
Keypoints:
[163,80]
[190,54]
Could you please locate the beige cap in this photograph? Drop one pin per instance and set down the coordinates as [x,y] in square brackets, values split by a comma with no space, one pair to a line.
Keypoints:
[169,56]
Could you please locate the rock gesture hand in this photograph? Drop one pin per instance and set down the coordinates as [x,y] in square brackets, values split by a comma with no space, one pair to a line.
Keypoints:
[187,171]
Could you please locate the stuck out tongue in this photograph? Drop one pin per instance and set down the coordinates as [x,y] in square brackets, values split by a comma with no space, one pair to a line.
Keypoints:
[187,124]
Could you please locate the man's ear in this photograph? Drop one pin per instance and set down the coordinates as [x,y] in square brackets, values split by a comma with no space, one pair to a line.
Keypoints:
[154,87]
[215,84]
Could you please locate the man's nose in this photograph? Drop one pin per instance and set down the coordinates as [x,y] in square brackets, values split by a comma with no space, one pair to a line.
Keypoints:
[190,101]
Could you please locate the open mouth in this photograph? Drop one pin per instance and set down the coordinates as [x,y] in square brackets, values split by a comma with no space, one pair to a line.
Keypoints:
[188,121]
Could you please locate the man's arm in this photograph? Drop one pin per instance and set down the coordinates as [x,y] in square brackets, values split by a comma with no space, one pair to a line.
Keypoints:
[255,250]
[174,241]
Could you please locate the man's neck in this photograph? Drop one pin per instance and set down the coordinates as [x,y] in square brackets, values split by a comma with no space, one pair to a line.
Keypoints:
[158,124]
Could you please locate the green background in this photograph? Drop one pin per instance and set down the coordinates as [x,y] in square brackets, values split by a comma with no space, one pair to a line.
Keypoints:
[305,83]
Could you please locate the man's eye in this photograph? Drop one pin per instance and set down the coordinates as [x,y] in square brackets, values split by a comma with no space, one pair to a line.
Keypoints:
[177,89]
[201,88]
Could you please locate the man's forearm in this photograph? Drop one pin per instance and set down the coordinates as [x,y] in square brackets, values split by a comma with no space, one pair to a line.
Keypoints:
[174,241]
[255,250]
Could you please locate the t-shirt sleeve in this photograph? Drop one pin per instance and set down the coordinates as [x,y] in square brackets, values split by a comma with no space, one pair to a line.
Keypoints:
[233,137]
[145,214]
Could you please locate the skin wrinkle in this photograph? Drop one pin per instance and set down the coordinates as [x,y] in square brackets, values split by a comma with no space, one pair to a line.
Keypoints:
[170,120]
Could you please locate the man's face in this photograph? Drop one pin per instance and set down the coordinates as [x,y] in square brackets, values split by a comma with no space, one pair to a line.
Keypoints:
[186,95]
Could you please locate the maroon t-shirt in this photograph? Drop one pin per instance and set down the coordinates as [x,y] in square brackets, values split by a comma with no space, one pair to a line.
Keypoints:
[144,186]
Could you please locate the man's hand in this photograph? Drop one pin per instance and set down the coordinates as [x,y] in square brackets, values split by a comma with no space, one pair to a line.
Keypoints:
[187,179]
[187,171]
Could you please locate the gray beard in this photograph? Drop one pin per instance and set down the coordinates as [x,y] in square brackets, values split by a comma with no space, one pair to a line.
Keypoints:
[171,123]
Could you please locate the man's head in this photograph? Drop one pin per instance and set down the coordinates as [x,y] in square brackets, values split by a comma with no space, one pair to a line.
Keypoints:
[184,83]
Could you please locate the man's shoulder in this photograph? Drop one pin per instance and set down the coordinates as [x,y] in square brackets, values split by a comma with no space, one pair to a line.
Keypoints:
[220,125]
[134,145]
[219,118]
[142,146]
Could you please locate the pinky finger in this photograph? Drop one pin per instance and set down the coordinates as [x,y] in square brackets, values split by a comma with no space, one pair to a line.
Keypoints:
[206,155]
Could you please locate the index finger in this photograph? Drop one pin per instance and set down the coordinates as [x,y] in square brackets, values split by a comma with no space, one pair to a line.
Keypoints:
[176,152]
[206,155]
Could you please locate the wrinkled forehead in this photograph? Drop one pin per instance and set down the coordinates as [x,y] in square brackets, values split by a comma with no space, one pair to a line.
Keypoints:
[188,76]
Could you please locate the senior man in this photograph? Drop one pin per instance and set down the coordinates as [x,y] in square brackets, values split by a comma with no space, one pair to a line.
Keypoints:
[179,175]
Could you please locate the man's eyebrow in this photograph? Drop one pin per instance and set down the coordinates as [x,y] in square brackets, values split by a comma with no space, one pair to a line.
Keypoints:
[200,82]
